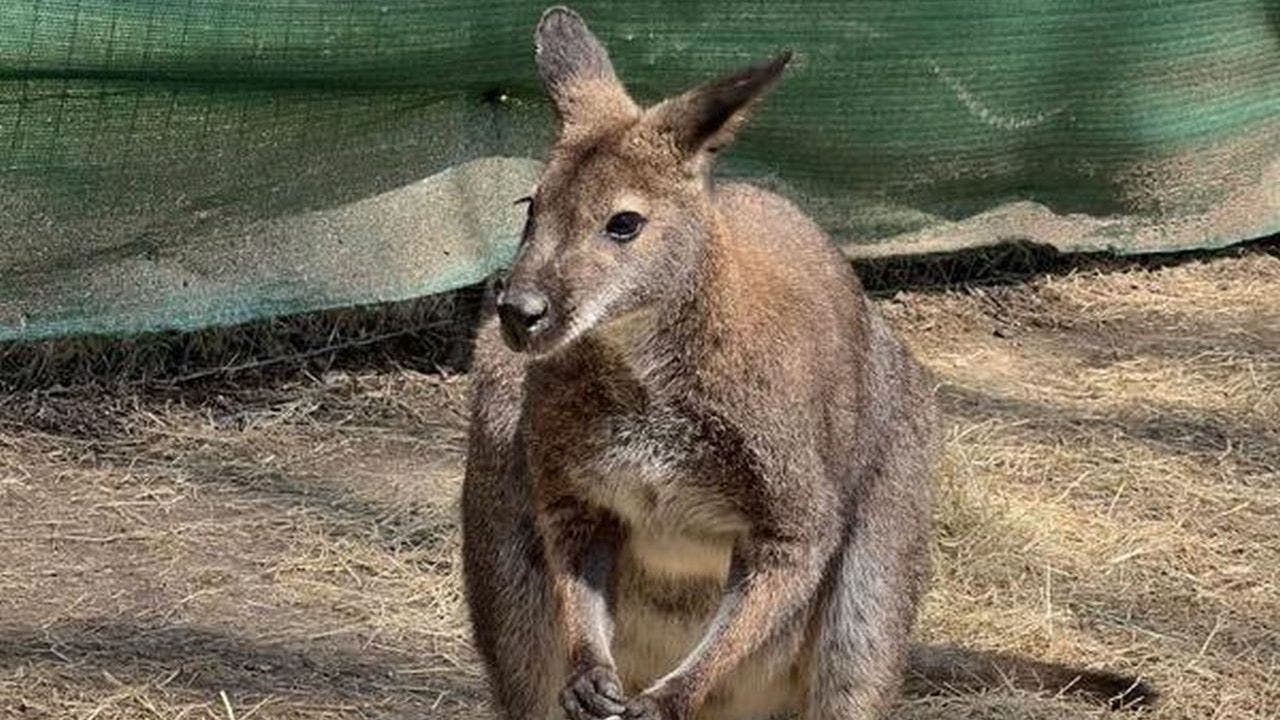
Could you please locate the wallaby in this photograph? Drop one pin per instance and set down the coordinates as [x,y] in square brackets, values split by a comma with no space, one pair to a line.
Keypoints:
[698,476]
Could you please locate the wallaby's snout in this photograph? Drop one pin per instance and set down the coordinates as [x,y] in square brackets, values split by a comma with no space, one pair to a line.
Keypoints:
[523,314]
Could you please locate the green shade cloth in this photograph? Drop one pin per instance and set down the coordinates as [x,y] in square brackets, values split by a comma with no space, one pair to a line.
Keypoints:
[174,164]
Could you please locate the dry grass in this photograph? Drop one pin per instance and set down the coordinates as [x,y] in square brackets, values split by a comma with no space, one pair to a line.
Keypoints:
[283,545]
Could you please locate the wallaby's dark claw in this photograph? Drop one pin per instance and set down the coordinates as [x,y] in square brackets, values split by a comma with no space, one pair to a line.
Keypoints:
[643,708]
[595,694]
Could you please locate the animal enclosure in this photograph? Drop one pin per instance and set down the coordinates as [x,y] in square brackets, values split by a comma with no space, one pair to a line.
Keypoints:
[240,244]
[210,163]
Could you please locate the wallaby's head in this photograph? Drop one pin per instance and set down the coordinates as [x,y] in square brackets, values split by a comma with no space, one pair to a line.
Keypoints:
[623,207]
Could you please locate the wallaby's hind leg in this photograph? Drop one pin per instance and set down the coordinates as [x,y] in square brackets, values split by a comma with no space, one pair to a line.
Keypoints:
[865,623]
[514,623]
[508,590]
[861,645]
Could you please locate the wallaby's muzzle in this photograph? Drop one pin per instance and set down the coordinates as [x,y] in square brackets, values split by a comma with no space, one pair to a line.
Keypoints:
[524,315]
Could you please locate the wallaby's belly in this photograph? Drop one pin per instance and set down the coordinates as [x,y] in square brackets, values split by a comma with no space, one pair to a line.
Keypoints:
[672,572]
[669,587]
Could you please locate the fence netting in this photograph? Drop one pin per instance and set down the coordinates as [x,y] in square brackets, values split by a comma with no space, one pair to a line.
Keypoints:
[176,164]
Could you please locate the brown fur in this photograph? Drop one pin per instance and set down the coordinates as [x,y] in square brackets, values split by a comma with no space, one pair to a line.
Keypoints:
[702,490]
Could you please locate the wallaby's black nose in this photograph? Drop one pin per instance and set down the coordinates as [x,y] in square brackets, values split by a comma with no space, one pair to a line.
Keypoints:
[520,312]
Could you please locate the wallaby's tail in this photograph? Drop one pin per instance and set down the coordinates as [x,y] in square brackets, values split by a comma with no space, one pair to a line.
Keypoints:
[946,669]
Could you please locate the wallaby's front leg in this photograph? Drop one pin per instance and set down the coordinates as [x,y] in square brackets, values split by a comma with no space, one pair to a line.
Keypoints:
[772,580]
[581,547]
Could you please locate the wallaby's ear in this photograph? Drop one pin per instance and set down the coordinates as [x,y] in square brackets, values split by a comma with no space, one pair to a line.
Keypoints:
[576,71]
[707,117]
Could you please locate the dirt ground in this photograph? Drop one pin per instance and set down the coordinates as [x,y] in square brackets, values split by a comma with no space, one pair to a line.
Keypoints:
[286,546]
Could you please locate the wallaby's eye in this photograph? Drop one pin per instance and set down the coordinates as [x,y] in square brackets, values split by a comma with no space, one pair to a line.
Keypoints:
[624,226]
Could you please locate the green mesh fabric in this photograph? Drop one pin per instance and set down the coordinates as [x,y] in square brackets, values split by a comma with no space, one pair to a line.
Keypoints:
[183,163]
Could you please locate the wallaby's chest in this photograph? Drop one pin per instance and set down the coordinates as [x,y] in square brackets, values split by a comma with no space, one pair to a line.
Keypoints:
[645,457]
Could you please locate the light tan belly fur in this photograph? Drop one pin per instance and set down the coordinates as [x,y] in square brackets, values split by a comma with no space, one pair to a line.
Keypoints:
[669,588]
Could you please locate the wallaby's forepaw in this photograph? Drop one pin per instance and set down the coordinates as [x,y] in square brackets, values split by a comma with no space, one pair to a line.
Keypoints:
[594,694]
[651,706]
[643,708]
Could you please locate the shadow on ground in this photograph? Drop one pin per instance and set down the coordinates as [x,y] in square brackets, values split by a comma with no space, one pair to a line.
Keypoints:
[200,662]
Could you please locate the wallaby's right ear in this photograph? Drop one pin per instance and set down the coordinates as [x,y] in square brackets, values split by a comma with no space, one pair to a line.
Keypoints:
[576,71]
[707,117]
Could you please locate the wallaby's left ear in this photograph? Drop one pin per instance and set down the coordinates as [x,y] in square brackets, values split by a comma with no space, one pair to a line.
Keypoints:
[707,117]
